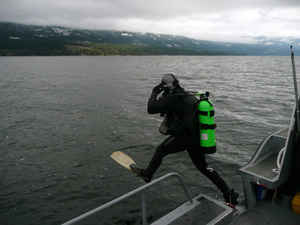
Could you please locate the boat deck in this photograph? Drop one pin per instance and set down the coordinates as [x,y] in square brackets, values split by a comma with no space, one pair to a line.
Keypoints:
[269,212]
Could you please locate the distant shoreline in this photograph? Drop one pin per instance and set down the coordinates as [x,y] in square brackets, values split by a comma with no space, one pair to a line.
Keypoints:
[32,48]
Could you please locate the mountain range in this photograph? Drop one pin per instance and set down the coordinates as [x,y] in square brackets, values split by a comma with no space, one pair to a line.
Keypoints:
[20,39]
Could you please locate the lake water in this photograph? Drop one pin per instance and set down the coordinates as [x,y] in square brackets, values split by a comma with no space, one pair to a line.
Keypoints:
[62,117]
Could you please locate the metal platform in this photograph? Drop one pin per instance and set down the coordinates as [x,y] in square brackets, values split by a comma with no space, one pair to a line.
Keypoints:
[268,212]
[203,210]
[264,168]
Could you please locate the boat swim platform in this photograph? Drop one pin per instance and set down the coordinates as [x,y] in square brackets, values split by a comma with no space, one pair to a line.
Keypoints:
[203,210]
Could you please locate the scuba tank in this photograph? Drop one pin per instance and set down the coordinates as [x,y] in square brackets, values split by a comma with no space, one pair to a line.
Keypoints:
[206,124]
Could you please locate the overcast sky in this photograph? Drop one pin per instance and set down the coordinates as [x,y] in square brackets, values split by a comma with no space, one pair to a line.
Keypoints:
[215,20]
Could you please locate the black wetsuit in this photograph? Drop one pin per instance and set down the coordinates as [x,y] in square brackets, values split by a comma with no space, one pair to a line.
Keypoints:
[181,109]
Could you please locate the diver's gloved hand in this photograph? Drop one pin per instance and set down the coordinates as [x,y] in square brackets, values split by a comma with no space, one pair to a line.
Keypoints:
[156,90]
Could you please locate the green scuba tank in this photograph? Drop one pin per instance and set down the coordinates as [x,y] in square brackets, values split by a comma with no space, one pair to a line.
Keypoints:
[206,124]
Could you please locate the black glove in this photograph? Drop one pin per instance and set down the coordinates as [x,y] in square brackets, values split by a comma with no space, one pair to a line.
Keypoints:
[157,89]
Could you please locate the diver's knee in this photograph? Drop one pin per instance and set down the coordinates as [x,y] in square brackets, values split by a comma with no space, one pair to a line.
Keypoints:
[160,149]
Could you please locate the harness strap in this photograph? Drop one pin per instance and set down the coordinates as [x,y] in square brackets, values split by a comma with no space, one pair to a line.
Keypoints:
[207,126]
[206,113]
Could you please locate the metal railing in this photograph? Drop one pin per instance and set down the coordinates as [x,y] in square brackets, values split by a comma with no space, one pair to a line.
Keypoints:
[129,194]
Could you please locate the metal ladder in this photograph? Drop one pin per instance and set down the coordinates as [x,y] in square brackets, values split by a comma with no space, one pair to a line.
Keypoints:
[129,194]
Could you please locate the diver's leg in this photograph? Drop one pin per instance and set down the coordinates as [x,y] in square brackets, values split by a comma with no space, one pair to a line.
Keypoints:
[199,161]
[171,145]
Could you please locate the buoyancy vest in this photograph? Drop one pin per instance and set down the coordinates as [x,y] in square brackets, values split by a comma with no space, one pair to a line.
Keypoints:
[190,118]
[184,119]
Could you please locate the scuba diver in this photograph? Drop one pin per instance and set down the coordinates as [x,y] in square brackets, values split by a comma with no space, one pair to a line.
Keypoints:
[181,123]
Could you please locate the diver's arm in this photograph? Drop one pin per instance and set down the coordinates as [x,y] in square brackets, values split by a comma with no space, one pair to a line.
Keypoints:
[163,104]
[152,108]
[152,105]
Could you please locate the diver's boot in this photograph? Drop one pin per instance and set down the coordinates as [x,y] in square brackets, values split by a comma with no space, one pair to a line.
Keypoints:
[140,173]
[231,196]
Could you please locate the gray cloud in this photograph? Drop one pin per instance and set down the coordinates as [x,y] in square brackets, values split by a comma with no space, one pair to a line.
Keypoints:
[223,20]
